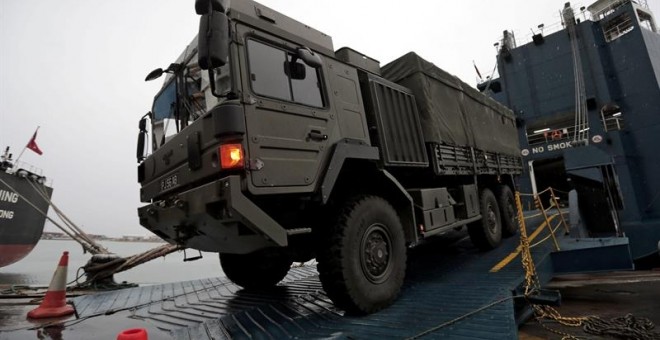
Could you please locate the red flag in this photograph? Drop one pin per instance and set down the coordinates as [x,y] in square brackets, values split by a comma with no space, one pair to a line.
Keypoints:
[32,144]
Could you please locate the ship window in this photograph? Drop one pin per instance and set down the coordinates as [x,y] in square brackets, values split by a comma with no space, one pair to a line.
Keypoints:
[269,76]
[618,27]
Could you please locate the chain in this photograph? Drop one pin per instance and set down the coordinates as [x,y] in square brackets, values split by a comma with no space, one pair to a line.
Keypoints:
[623,327]
[627,327]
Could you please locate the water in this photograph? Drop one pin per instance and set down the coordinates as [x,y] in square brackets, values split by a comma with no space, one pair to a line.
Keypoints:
[37,268]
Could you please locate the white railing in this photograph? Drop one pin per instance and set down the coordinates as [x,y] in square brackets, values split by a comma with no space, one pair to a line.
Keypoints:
[618,27]
[615,5]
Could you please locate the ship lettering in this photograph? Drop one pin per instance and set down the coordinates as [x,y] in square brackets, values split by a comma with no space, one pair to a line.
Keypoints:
[559,146]
[8,196]
[6,214]
[552,147]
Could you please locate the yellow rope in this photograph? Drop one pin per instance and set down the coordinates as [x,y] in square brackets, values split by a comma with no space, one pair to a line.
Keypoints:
[532,281]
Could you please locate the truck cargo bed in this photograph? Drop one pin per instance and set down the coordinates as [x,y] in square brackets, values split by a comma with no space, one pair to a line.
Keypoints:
[451,111]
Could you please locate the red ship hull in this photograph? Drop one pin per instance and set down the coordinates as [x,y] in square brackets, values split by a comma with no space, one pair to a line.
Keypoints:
[11,253]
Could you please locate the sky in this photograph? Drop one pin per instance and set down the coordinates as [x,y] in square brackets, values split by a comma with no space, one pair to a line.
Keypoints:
[76,69]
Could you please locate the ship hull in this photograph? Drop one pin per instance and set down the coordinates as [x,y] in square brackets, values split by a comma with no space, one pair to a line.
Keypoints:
[12,253]
[21,225]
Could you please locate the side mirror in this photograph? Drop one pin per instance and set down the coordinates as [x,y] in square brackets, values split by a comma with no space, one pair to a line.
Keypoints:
[142,137]
[310,58]
[155,74]
[295,70]
[202,6]
[213,40]
[142,125]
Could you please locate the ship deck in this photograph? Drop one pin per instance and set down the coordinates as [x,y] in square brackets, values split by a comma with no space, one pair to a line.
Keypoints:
[449,292]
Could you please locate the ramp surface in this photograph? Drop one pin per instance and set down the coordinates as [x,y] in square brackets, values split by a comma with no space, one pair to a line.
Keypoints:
[446,279]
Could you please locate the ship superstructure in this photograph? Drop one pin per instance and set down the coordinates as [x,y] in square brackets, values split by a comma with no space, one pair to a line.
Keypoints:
[587,102]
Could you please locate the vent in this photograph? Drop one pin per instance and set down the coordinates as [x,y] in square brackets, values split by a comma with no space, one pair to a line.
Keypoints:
[394,121]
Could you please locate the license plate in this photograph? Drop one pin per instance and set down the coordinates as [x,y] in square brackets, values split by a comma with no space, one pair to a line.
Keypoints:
[169,182]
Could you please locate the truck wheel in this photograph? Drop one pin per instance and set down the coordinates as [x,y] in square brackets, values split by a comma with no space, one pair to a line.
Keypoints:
[259,270]
[508,210]
[363,261]
[486,233]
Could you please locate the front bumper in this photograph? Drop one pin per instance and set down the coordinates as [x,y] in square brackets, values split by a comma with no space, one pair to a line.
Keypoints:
[215,217]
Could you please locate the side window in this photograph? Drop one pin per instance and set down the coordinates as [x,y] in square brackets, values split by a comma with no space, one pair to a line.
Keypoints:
[307,91]
[269,77]
[266,71]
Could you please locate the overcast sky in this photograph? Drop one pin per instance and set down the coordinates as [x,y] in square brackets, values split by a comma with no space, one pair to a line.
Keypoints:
[77,68]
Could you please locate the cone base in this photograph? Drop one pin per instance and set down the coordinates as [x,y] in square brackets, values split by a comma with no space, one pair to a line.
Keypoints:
[54,312]
[133,334]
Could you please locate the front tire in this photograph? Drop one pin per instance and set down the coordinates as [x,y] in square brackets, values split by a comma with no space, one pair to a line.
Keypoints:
[486,233]
[261,269]
[362,263]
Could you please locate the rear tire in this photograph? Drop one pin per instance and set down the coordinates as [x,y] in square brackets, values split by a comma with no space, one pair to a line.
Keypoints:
[262,269]
[486,233]
[362,262]
[507,204]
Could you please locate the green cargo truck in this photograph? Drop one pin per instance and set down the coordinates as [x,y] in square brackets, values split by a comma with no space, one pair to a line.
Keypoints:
[269,147]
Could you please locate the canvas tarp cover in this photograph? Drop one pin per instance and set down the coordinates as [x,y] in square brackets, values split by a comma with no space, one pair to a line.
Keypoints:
[453,112]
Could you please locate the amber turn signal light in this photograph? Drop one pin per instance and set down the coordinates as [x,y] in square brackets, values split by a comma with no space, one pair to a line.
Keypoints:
[231,156]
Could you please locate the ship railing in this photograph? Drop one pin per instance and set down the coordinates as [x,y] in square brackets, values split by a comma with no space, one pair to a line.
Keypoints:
[615,5]
[618,27]
[29,167]
[34,172]
[551,135]
[527,37]
[612,122]
[581,13]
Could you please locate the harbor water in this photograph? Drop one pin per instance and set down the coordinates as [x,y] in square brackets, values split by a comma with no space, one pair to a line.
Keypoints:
[37,268]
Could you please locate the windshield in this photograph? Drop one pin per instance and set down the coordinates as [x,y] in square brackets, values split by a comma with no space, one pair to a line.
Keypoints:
[165,102]
[194,98]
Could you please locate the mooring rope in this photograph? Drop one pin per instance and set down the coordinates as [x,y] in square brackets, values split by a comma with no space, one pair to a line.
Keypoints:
[90,247]
[94,271]
[73,228]
[100,271]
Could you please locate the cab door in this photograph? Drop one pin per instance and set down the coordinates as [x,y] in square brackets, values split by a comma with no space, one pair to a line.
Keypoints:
[287,114]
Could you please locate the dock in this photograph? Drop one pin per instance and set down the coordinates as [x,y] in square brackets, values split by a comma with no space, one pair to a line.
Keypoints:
[450,291]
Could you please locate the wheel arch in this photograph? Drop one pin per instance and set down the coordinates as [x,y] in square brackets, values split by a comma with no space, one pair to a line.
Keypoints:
[362,176]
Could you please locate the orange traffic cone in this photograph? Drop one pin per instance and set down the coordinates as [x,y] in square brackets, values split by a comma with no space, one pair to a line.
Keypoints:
[54,303]
[133,334]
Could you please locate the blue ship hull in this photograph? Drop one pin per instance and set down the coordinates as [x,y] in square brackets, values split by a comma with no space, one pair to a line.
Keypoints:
[587,102]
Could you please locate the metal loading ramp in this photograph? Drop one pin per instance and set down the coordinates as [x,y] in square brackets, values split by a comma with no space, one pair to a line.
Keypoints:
[446,279]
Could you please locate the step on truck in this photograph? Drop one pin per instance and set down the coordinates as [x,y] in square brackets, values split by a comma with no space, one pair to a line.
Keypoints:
[269,147]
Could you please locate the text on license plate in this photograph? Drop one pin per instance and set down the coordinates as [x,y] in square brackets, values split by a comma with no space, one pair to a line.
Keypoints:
[169,182]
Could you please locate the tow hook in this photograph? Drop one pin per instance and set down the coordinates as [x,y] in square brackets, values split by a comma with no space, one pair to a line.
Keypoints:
[181,204]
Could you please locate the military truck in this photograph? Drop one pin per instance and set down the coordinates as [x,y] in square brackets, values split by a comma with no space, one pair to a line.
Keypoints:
[269,147]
